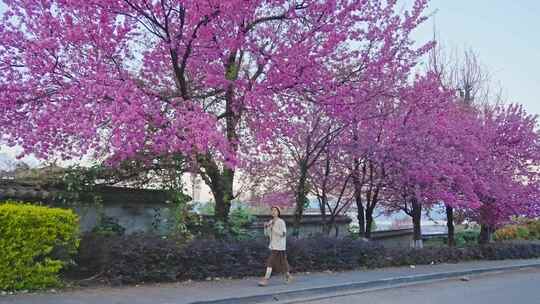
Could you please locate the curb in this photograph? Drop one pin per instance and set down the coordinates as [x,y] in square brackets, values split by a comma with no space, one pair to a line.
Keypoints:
[311,293]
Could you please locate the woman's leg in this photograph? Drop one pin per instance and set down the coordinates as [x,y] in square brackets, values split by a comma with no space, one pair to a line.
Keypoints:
[266,277]
[268,273]
[288,276]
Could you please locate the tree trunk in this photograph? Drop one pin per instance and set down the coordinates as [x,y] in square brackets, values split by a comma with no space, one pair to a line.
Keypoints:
[224,195]
[361,219]
[370,208]
[298,212]
[358,199]
[324,217]
[485,234]
[369,221]
[300,200]
[417,224]
[326,229]
[330,225]
[450,225]
[369,197]
[223,180]
[221,185]
[327,221]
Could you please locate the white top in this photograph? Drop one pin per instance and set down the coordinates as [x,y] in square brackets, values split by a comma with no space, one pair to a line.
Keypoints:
[277,234]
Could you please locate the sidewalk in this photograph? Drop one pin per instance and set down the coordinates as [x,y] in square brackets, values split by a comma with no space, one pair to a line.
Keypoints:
[233,290]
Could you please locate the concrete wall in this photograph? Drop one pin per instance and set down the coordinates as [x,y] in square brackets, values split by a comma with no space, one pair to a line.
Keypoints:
[133,217]
[311,225]
[401,238]
[143,217]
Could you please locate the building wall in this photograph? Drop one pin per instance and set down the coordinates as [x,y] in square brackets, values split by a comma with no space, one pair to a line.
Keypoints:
[133,217]
[144,218]
[400,238]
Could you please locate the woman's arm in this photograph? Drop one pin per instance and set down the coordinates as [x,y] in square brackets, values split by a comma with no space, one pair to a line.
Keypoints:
[267,228]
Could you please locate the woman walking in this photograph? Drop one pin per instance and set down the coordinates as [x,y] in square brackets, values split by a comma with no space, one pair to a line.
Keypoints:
[276,230]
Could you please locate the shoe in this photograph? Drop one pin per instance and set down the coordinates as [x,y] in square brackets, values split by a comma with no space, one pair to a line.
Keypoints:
[263,282]
[288,278]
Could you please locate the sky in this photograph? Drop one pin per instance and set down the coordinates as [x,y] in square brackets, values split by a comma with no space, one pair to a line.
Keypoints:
[503,33]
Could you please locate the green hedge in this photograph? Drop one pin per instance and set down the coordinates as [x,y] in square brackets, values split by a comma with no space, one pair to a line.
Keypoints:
[134,259]
[35,243]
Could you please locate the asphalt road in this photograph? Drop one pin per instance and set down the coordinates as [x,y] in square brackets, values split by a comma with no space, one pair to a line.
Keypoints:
[502,288]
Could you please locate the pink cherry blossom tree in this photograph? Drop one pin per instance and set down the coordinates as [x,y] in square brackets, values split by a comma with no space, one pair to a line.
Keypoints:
[135,79]
[331,183]
[366,147]
[428,157]
[464,73]
[508,175]
[300,149]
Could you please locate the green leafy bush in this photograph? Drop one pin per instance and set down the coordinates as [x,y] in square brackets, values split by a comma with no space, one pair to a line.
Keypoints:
[239,219]
[207,226]
[182,216]
[467,237]
[534,229]
[35,243]
[522,233]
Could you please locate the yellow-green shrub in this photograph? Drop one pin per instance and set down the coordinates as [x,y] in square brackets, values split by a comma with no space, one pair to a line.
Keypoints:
[506,233]
[514,232]
[29,236]
[534,228]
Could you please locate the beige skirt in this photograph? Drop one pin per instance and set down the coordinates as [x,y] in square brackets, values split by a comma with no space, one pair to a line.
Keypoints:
[278,261]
